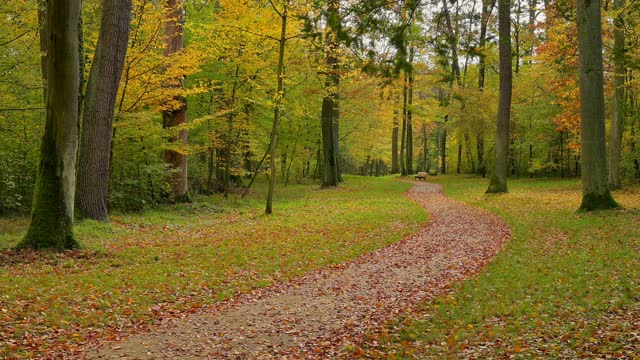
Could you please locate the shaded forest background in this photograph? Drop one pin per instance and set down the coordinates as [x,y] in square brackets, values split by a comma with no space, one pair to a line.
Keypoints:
[418,90]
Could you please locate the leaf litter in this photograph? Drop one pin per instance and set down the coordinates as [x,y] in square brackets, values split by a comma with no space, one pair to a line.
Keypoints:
[324,313]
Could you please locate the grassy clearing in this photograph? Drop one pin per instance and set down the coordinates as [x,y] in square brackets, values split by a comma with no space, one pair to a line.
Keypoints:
[566,286]
[159,262]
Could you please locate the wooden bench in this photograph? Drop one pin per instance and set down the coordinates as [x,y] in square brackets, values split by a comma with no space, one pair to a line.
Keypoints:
[421,175]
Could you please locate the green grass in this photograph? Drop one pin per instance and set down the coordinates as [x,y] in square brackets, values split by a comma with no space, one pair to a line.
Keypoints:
[566,286]
[152,264]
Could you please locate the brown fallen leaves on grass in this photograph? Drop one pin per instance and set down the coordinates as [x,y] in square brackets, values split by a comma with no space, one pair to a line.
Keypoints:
[566,286]
[323,313]
[176,260]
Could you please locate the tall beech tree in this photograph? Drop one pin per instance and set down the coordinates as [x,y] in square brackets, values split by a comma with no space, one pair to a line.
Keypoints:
[52,212]
[409,85]
[176,114]
[330,103]
[618,116]
[99,106]
[595,187]
[498,182]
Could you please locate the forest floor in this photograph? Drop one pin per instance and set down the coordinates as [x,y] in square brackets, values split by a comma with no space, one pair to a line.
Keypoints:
[326,312]
[566,286]
[168,261]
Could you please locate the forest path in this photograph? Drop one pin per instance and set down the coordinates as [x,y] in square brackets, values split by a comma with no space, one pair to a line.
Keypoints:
[316,315]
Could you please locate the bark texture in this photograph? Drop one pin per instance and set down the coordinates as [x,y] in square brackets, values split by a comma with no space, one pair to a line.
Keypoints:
[51,224]
[99,106]
[498,182]
[330,105]
[174,38]
[595,186]
[618,118]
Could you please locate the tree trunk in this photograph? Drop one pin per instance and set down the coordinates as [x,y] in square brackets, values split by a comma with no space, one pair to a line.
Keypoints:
[394,144]
[516,36]
[452,40]
[498,182]
[618,118]
[425,148]
[330,105]
[229,137]
[174,38]
[561,154]
[409,120]
[487,8]
[634,125]
[403,133]
[595,187]
[459,164]
[468,153]
[532,23]
[52,212]
[44,38]
[443,144]
[276,112]
[99,105]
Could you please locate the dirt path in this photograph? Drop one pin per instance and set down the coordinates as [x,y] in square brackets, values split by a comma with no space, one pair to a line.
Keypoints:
[317,315]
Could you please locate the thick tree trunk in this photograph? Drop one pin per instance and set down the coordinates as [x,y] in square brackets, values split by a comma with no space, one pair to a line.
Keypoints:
[276,112]
[618,118]
[174,38]
[53,200]
[498,182]
[99,105]
[595,187]
[330,105]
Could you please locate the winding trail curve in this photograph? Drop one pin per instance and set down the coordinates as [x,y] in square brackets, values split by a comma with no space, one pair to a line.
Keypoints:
[316,315]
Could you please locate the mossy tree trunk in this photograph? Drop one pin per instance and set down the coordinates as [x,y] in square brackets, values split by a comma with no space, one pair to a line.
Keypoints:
[595,187]
[498,182]
[99,106]
[51,225]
